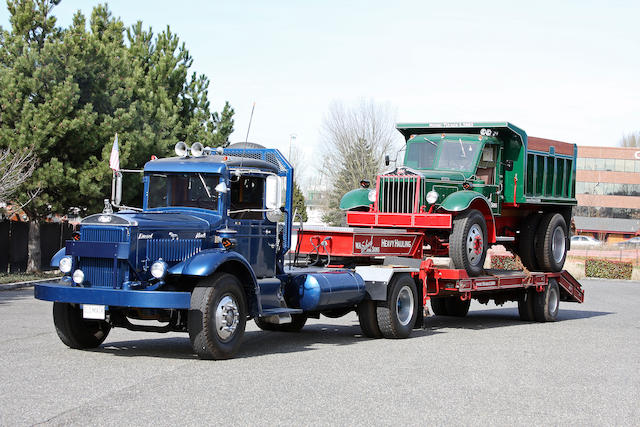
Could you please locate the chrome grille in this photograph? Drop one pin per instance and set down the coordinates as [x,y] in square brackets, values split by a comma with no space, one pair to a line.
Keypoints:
[98,272]
[397,193]
[172,250]
[104,234]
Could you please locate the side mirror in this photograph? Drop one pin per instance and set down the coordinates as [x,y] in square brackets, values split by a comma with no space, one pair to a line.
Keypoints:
[222,187]
[273,193]
[508,165]
[386,160]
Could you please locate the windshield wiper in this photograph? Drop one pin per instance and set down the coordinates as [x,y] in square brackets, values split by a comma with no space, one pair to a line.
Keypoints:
[433,143]
[204,185]
[462,148]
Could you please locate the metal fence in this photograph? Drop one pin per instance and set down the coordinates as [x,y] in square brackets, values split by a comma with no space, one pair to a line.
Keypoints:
[14,239]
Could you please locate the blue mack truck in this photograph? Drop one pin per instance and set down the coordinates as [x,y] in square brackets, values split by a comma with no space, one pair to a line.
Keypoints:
[206,254]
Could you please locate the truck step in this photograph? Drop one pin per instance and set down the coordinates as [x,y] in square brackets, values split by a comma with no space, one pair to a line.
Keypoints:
[278,311]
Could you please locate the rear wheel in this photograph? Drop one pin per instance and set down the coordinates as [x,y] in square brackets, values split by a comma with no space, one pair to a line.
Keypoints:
[217,317]
[552,242]
[297,323]
[368,318]
[526,242]
[439,306]
[456,307]
[74,330]
[397,317]
[546,303]
[525,305]
[468,242]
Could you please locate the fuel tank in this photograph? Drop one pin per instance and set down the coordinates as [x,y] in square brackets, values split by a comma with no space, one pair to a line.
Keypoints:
[324,290]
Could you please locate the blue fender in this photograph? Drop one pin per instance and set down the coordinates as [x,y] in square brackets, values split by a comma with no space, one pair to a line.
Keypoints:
[55,260]
[205,263]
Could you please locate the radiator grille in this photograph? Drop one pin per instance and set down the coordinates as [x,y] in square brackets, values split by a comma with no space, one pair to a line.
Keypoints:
[397,194]
[172,250]
[98,272]
[104,234]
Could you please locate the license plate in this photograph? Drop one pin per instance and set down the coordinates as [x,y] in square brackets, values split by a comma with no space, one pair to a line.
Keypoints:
[90,311]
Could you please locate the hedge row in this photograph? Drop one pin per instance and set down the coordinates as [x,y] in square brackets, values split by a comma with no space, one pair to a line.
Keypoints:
[606,269]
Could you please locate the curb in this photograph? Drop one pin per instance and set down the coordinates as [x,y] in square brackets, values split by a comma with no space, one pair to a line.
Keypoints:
[21,285]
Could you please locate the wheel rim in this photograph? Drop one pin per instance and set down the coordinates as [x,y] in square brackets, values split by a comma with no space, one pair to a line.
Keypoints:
[227,317]
[554,301]
[558,244]
[475,244]
[404,305]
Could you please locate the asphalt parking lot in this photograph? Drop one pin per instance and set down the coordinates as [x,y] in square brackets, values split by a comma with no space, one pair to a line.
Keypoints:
[486,369]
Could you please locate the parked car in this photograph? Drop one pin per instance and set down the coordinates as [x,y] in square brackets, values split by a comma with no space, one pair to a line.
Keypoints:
[633,242]
[583,241]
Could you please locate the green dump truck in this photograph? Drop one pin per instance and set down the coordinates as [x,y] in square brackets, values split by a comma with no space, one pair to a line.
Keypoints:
[472,184]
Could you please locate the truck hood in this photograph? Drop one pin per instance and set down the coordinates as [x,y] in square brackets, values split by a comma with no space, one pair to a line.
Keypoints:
[159,221]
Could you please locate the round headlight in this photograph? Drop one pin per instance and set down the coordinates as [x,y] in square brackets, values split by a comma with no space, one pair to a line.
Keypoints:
[159,269]
[372,195]
[78,277]
[432,197]
[65,264]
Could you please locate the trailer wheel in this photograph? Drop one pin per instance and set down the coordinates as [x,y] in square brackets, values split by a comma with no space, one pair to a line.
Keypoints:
[368,318]
[456,307]
[547,302]
[468,242]
[397,317]
[525,305]
[439,306]
[297,323]
[76,332]
[526,241]
[552,242]
[217,317]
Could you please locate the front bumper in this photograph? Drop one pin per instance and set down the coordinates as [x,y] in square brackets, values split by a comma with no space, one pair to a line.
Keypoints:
[53,291]
[400,220]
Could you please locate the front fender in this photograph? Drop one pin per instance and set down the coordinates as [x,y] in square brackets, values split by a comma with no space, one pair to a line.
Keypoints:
[461,200]
[55,260]
[208,261]
[358,198]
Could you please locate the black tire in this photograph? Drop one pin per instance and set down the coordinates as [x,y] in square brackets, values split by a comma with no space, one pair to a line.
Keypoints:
[546,303]
[214,302]
[525,305]
[75,331]
[527,242]
[397,316]
[439,306]
[552,242]
[468,242]
[456,307]
[297,323]
[368,318]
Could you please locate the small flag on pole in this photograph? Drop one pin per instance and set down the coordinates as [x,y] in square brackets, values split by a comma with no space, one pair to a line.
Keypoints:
[114,160]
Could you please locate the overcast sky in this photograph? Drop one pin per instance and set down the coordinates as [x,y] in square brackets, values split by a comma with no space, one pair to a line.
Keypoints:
[567,70]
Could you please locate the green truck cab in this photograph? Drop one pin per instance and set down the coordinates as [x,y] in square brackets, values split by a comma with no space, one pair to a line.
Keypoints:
[470,185]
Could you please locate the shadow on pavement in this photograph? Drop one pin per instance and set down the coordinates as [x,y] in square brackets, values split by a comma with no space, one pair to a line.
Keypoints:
[500,317]
[7,296]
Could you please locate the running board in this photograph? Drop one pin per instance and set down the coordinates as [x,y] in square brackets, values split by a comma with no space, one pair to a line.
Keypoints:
[505,239]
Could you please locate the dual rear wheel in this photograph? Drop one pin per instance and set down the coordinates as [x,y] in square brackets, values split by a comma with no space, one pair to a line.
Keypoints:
[543,242]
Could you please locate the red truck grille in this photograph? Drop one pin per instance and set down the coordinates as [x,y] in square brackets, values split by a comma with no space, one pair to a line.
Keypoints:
[398,194]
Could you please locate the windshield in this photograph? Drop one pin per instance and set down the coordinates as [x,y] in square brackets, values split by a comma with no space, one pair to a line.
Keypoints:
[195,190]
[456,154]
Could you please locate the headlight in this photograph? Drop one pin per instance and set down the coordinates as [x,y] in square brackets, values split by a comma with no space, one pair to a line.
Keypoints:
[78,277]
[432,197]
[159,269]
[65,264]
[372,195]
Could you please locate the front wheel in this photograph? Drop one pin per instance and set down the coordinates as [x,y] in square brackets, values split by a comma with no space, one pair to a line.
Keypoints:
[217,317]
[468,242]
[75,331]
[397,317]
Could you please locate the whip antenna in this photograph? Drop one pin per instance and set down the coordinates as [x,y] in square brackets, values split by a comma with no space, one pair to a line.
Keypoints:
[246,138]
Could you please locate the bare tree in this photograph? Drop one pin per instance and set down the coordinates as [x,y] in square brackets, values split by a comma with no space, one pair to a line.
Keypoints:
[630,140]
[355,141]
[15,169]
